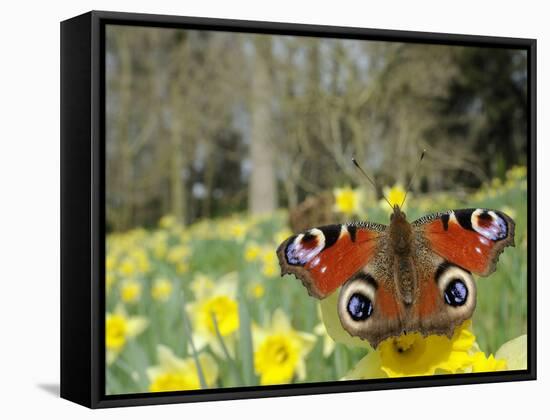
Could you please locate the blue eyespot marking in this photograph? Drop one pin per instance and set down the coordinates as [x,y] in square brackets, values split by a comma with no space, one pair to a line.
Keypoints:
[359,307]
[489,224]
[302,248]
[456,293]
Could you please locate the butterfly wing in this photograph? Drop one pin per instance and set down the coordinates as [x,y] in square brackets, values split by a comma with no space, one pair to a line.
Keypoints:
[470,238]
[370,306]
[324,258]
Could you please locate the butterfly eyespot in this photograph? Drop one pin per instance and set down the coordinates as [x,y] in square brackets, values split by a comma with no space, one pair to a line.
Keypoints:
[489,224]
[458,289]
[456,293]
[359,307]
[356,302]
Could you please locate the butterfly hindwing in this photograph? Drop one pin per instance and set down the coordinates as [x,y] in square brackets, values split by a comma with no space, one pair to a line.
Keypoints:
[324,258]
[369,306]
[470,238]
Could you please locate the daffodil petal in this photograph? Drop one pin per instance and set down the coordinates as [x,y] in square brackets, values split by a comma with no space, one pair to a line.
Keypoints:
[280,321]
[301,370]
[199,342]
[307,341]
[136,325]
[368,368]
[482,363]
[169,361]
[209,368]
[514,352]
[328,346]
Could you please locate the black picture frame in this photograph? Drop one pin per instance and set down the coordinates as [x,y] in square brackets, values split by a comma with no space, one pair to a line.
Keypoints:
[83,207]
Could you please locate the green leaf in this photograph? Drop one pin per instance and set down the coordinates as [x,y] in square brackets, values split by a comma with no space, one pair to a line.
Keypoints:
[228,358]
[245,338]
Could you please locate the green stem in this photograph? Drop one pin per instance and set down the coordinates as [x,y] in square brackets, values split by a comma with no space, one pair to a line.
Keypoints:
[232,364]
[189,333]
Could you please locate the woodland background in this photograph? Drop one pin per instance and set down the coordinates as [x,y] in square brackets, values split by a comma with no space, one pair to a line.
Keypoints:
[203,124]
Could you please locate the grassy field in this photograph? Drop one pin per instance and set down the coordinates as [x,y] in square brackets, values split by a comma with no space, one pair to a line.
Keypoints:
[205,306]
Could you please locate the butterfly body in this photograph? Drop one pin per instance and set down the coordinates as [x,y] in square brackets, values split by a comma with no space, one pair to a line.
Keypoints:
[401,238]
[405,277]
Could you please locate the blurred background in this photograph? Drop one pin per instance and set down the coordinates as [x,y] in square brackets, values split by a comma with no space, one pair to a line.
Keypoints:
[220,145]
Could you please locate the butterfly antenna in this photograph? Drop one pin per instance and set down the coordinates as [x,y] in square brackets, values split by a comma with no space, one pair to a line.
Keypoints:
[370,180]
[413,175]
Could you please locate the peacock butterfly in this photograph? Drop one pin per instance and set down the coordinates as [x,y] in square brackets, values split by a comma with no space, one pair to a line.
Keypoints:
[405,277]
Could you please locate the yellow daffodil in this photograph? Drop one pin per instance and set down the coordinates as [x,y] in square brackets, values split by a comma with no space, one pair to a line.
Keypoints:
[216,310]
[482,363]
[347,201]
[127,267]
[130,291]
[509,211]
[252,252]
[516,176]
[415,355]
[162,289]
[235,230]
[109,280]
[176,374]
[220,311]
[202,286]
[256,290]
[270,264]
[141,259]
[119,328]
[167,222]
[110,262]
[395,195]
[496,183]
[517,173]
[282,235]
[126,242]
[178,253]
[182,267]
[280,351]
[158,244]
[203,230]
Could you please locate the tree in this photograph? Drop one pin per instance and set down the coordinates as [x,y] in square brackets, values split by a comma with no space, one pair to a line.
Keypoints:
[262,196]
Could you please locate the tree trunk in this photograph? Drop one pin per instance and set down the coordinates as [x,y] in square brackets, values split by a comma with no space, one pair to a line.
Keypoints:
[262,193]
[124,221]
[177,184]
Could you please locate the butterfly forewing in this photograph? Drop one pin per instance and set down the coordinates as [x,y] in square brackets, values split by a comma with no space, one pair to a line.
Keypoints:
[325,257]
[470,238]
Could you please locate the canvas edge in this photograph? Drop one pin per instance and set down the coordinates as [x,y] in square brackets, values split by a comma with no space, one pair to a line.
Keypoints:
[88,389]
[75,184]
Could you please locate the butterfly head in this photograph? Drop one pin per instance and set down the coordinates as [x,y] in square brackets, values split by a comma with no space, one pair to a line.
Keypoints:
[398,215]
